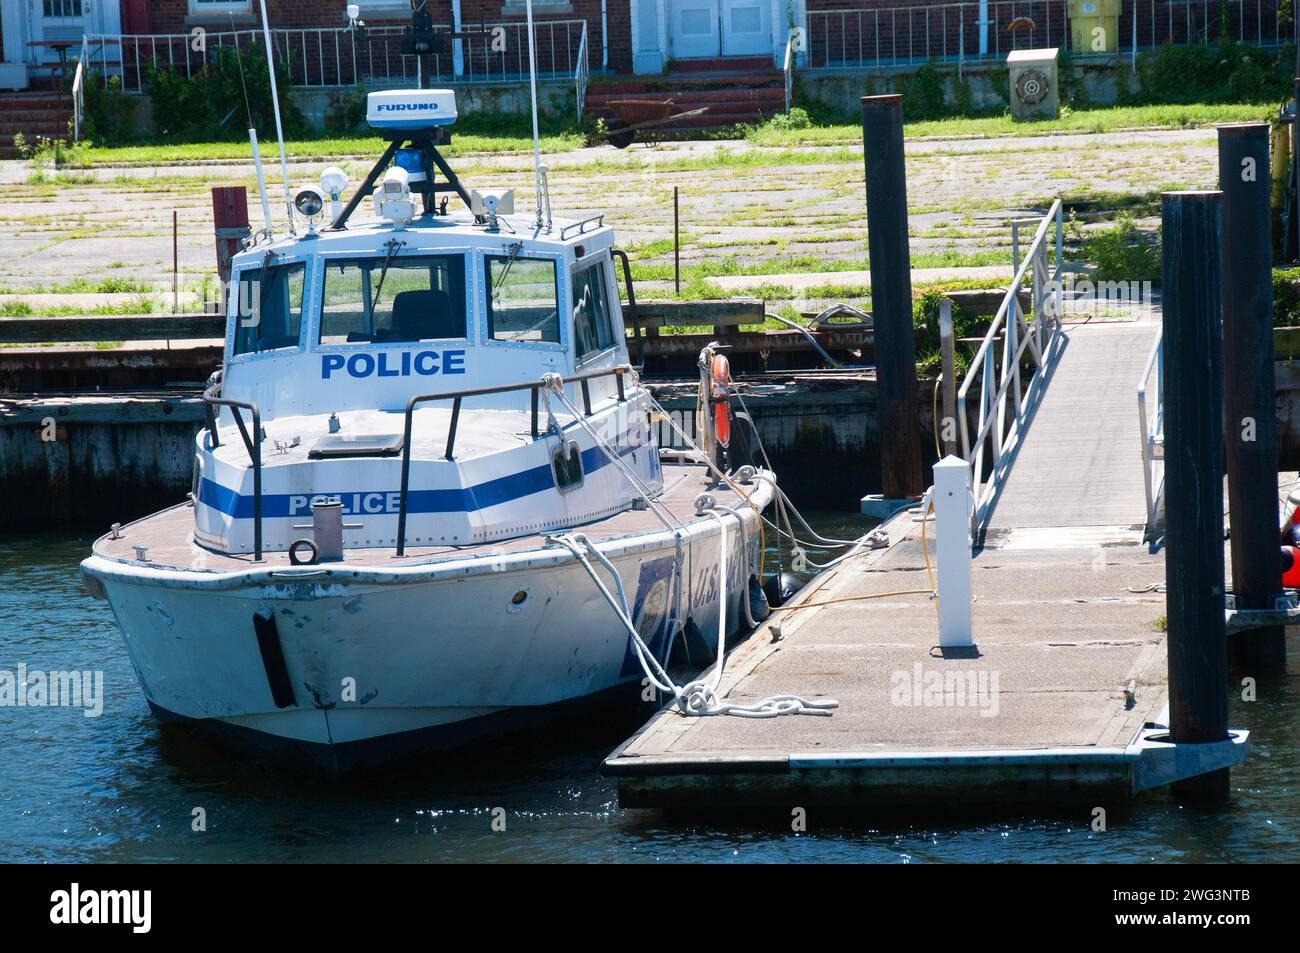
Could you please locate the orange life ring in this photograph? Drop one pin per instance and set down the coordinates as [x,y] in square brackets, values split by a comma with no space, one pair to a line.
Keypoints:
[1290,567]
[720,371]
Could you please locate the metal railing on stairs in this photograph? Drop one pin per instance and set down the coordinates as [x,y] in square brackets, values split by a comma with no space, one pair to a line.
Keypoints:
[788,68]
[581,71]
[79,92]
[1005,393]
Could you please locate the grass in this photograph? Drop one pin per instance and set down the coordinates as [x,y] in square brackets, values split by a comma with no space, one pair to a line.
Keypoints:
[483,133]
[84,286]
[1102,119]
[806,264]
[137,304]
[508,134]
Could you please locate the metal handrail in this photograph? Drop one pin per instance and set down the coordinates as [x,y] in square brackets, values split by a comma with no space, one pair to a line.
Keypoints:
[457,396]
[1152,429]
[1039,337]
[878,36]
[788,68]
[79,90]
[626,262]
[580,72]
[331,56]
[252,444]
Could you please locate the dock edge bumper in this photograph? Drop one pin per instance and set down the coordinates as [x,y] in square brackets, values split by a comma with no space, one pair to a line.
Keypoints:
[1161,762]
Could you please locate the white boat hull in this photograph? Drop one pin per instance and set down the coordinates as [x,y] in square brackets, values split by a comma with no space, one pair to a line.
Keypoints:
[382,663]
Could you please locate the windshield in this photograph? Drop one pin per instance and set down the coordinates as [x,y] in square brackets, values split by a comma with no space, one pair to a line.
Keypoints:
[413,298]
[270,309]
[522,299]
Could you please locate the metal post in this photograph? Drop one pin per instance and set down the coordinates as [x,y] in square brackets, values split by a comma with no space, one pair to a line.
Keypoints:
[947,366]
[176,266]
[1198,696]
[952,522]
[891,296]
[1291,245]
[1250,421]
[677,248]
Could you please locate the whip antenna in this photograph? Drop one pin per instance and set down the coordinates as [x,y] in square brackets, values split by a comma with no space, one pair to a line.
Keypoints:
[252,133]
[275,104]
[532,79]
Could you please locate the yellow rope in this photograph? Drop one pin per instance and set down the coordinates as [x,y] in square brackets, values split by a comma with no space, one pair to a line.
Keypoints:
[869,595]
[929,571]
[925,552]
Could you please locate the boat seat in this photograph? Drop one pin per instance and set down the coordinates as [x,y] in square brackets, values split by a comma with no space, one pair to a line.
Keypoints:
[425,315]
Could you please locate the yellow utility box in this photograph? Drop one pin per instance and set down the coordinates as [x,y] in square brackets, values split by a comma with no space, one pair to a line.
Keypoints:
[1094,26]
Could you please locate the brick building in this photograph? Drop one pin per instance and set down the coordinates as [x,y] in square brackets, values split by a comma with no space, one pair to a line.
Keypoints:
[621,36]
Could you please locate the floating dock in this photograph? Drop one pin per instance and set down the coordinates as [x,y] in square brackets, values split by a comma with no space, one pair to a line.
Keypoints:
[1064,697]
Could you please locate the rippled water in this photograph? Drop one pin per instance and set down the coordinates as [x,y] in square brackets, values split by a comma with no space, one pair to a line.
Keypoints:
[117,788]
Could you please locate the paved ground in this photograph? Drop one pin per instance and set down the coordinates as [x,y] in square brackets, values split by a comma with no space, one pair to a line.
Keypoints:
[745,210]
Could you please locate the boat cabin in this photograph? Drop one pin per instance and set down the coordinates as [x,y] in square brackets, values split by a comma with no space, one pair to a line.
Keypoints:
[367,317]
[353,348]
[364,315]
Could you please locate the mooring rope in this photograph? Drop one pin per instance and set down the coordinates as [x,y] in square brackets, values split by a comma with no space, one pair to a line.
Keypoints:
[555,384]
[698,697]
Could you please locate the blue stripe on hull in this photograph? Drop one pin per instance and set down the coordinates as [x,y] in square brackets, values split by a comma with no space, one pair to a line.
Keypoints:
[457,500]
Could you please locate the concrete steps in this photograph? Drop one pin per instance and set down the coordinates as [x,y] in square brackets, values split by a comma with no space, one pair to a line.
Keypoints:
[34,114]
[733,92]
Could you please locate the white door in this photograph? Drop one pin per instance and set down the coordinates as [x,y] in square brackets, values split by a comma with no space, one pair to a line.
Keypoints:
[58,21]
[745,27]
[694,28]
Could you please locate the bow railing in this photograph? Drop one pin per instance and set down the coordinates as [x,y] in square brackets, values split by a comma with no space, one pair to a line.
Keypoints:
[456,397]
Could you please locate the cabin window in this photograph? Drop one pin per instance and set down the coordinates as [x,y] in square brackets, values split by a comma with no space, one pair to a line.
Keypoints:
[406,299]
[522,299]
[593,328]
[270,308]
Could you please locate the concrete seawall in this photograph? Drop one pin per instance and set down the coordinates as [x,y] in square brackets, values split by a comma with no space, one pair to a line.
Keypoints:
[117,457]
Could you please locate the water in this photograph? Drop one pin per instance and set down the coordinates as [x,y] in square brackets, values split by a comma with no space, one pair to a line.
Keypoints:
[117,788]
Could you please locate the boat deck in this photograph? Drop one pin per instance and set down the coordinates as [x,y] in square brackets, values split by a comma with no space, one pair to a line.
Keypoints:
[168,535]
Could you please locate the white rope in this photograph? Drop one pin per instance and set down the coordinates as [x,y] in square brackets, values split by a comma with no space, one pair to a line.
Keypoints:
[555,384]
[699,697]
[801,559]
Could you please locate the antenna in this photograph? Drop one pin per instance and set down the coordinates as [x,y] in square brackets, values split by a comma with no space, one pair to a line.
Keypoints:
[261,179]
[532,79]
[275,104]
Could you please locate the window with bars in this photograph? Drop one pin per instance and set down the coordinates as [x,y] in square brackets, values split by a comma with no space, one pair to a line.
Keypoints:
[220,6]
[61,8]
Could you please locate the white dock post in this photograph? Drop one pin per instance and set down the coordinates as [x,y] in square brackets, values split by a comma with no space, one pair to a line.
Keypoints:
[952,506]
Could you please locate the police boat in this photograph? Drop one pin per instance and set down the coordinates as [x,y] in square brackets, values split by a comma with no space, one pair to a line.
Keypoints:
[427,505]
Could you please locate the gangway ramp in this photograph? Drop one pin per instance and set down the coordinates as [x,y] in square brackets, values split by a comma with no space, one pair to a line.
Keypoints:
[1078,462]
